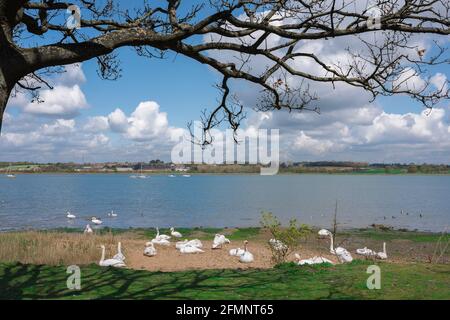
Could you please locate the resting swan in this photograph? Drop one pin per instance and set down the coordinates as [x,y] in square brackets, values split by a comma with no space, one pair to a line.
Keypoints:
[382,255]
[190,249]
[311,261]
[119,255]
[150,250]
[219,241]
[277,245]
[247,257]
[237,252]
[110,262]
[161,242]
[174,233]
[161,236]
[194,243]
[342,253]
[365,252]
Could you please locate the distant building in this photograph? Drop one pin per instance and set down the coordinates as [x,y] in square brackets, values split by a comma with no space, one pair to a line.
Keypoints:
[124,169]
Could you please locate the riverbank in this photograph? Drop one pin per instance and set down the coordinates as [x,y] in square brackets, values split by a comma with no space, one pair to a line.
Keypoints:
[71,246]
[33,266]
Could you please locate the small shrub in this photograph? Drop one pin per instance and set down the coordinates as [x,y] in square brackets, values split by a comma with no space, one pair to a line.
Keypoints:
[287,238]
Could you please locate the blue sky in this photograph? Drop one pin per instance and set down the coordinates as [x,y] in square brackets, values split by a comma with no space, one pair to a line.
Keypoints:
[137,116]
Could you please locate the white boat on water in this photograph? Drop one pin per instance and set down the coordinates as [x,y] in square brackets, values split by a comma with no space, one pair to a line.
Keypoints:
[186,175]
[171,176]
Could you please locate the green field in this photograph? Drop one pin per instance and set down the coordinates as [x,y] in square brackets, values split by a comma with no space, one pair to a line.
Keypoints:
[398,281]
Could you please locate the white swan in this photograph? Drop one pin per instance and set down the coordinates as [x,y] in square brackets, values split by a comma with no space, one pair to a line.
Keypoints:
[88,229]
[365,252]
[194,243]
[323,233]
[161,236]
[112,214]
[277,245]
[382,255]
[119,255]
[219,241]
[110,262]
[247,257]
[190,249]
[70,215]
[96,220]
[342,253]
[311,261]
[150,250]
[161,242]
[237,252]
[174,233]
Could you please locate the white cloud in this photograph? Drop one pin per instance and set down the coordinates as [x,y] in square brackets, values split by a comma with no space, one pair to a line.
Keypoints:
[146,123]
[96,124]
[118,121]
[65,100]
[60,102]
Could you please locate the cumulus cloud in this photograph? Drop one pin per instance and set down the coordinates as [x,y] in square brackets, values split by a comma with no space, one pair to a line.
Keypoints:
[65,100]
[145,123]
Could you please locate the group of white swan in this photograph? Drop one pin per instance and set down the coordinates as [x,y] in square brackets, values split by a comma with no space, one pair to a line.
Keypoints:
[117,261]
[245,256]
[195,245]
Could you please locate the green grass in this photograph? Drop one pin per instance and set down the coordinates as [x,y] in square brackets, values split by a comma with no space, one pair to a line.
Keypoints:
[398,235]
[411,281]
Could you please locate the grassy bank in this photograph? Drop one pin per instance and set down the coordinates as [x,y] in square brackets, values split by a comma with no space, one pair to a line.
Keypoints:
[398,281]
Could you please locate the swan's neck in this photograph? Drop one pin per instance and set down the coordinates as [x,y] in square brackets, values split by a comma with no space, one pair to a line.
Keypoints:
[157,232]
[245,247]
[119,249]
[103,255]
[384,247]
[331,242]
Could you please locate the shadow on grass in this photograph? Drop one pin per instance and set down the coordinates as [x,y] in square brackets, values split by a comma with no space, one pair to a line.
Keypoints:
[287,281]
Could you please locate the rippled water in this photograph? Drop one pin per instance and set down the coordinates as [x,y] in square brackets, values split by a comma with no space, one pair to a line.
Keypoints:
[41,201]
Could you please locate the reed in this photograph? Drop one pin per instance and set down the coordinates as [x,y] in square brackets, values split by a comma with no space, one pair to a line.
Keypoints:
[55,248]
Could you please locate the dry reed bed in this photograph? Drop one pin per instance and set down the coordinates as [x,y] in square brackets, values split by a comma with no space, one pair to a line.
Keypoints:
[53,248]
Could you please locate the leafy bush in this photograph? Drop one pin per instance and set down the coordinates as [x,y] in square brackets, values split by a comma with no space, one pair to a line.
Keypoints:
[286,239]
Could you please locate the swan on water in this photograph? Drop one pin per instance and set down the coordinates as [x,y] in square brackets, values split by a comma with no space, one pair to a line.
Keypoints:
[382,255]
[70,215]
[119,255]
[110,262]
[88,229]
[150,250]
[112,214]
[219,241]
[247,257]
[96,220]
[342,253]
[312,261]
[174,233]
